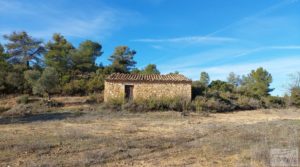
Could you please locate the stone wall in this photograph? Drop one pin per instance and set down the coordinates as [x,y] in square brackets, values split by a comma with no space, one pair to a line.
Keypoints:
[145,90]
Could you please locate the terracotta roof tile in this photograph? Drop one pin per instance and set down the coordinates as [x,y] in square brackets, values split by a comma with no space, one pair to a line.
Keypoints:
[118,77]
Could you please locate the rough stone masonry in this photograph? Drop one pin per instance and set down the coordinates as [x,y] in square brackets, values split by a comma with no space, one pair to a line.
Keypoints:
[146,86]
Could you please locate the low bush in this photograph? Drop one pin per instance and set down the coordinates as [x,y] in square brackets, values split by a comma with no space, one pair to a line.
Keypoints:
[53,103]
[274,102]
[3,109]
[199,103]
[24,99]
[134,107]
[151,104]
[248,103]
[214,101]
[95,98]
[21,110]
[114,104]
[219,105]
[295,97]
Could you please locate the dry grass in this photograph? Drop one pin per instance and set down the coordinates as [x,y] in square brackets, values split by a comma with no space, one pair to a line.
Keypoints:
[101,138]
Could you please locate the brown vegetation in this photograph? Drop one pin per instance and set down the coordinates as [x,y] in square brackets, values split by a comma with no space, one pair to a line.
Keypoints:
[88,135]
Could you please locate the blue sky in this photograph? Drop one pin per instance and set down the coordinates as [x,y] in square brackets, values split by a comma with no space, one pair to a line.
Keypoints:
[215,36]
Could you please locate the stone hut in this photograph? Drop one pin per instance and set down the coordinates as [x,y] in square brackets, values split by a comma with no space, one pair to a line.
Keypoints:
[147,86]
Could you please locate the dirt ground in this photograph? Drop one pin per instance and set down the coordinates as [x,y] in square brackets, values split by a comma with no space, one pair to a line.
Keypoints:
[92,136]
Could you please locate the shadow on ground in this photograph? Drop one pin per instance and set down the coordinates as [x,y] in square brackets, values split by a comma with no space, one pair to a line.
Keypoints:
[39,117]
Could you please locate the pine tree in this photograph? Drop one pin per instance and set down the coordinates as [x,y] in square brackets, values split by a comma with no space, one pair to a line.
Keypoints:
[24,49]
[122,59]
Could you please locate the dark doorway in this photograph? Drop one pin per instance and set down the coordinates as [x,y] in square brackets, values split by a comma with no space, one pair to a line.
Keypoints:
[128,92]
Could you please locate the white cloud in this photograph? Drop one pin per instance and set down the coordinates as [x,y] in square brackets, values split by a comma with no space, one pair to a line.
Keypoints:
[43,19]
[187,39]
[99,25]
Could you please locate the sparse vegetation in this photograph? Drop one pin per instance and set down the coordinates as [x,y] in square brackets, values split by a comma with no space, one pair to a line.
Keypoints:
[104,138]
[24,99]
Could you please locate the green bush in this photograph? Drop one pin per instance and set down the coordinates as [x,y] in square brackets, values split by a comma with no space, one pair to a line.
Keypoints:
[221,86]
[75,87]
[24,99]
[218,105]
[198,89]
[96,82]
[274,102]
[199,103]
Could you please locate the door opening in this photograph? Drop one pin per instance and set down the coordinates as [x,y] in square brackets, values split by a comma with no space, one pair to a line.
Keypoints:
[128,92]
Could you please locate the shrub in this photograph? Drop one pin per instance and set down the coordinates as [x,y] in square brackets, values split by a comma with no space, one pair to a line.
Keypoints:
[274,102]
[114,104]
[199,103]
[96,82]
[198,89]
[27,109]
[218,105]
[53,103]
[24,99]
[134,107]
[3,109]
[95,98]
[75,87]
[151,104]
[295,97]
[248,103]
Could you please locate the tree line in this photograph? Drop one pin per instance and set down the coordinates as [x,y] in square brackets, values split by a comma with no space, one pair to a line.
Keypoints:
[30,66]
[251,91]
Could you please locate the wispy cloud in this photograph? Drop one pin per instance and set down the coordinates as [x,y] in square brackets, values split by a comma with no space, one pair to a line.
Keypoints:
[9,6]
[42,20]
[217,56]
[187,39]
[100,25]
[253,17]
[280,66]
[265,48]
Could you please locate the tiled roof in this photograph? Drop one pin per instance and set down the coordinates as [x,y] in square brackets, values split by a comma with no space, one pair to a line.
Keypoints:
[148,78]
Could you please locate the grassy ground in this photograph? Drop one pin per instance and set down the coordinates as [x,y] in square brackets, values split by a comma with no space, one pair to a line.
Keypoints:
[91,136]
